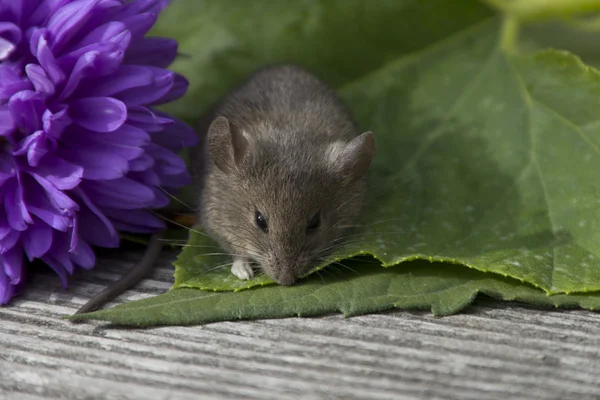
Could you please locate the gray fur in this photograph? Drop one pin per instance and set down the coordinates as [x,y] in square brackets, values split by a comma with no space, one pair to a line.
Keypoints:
[289,153]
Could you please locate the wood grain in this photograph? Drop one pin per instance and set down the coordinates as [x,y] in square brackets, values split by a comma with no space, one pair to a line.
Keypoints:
[493,350]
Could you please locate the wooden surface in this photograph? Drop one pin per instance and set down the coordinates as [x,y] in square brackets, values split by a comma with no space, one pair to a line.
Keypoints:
[492,351]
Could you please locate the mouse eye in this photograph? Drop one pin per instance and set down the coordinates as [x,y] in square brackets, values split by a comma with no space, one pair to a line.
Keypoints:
[261,221]
[314,222]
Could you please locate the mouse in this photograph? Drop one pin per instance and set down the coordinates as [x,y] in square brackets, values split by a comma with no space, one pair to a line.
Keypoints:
[280,174]
[285,172]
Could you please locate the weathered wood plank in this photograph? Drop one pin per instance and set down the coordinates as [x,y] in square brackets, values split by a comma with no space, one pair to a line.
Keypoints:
[493,351]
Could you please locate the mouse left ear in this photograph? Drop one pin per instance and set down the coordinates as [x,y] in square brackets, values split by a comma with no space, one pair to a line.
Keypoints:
[226,143]
[354,158]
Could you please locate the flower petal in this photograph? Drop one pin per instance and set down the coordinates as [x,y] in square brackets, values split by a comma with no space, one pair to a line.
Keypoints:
[36,240]
[103,60]
[13,264]
[140,218]
[155,51]
[99,114]
[36,146]
[9,241]
[55,123]
[40,80]
[16,211]
[141,163]
[112,31]
[178,89]
[60,173]
[122,193]
[97,164]
[26,108]
[136,85]
[11,83]
[7,123]
[140,24]
[175,136]
[47,60]
[97,229]
[147,119]
[83,255]
[68,20]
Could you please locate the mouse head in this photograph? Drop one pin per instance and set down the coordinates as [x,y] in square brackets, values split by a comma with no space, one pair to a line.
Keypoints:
[283,205]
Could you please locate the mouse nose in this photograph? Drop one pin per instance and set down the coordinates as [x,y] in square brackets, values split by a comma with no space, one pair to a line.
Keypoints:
[285,277]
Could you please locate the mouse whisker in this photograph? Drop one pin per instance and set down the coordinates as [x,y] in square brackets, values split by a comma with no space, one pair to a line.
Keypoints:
[176,199]
[214,268]
[346,267]
[177,223]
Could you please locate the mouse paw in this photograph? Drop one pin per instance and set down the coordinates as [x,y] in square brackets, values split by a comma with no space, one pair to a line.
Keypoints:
[242,269]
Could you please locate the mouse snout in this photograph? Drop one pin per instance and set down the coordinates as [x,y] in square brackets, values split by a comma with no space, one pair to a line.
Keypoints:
[285,276]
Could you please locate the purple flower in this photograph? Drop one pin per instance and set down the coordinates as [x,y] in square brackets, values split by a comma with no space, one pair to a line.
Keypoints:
[83,153]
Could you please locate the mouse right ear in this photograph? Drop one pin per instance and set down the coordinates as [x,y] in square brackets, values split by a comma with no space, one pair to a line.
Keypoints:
[226,143]
[354,158]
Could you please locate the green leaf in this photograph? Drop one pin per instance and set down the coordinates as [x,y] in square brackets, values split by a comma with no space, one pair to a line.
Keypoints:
[484,159]
[341,40]
[417,285]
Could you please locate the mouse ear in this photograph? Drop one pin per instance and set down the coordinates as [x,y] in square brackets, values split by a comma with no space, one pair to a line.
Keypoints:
[354,158]
[226,143]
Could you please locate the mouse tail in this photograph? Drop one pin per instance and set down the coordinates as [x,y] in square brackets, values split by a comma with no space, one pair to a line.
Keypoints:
[131,278]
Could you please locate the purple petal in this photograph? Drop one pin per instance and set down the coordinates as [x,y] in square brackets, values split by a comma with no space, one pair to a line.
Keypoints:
[60,173]
[147,120]
[126,77]
[180,86]
[55,123]
[140,24]
[7,123]
[175,136]
[5,286]
[142,218]
[94,227]
[11,83]
[16,212]
[126,135]
[83,255]
[125,227]
[56,197]
[58,268]
[50,204]
[147,177]
[26,108]
[122,193]
[113,31]
[36,146]
[48,61]
[9,241]
[166,162]
[155,51]
[40,80]
[37,240]
[13,265]
[177,180]
[141,163]
[137,85]
[134,7]
[100,114]
[42,10]
[96,63]
[5,228]
[10,35]
[97,165]
[68,20]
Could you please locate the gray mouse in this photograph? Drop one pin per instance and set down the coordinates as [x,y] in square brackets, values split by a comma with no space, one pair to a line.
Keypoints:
[284,173]
[280,174]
